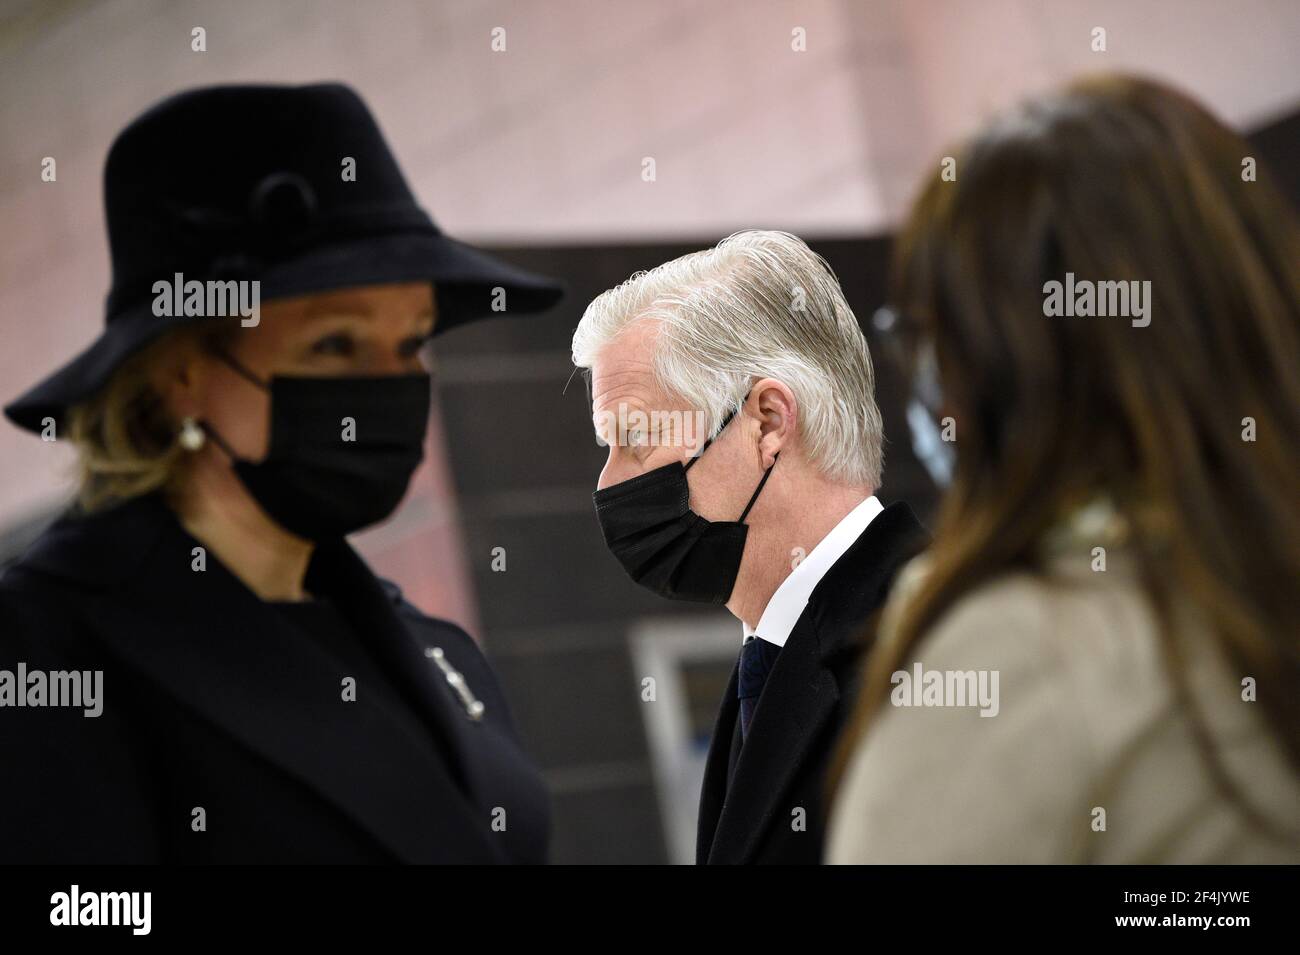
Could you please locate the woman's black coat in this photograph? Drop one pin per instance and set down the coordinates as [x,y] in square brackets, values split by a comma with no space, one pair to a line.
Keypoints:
[213,700]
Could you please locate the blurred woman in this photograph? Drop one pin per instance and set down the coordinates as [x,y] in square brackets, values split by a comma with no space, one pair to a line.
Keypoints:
[1098,660]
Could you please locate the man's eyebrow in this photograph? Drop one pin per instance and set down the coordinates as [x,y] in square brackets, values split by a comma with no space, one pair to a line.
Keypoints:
[636,420]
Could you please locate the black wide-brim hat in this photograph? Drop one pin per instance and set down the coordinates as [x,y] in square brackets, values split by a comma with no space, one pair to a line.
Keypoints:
[291,186]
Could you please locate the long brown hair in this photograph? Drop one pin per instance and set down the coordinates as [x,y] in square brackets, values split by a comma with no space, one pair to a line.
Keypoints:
[1113,179]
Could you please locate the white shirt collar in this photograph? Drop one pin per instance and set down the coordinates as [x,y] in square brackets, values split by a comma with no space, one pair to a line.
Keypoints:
[787,604]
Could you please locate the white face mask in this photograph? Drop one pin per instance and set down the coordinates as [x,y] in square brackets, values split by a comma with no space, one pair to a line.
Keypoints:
[939,457]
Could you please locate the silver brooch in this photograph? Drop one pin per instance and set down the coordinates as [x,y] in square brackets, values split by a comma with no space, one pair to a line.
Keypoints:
[473,708]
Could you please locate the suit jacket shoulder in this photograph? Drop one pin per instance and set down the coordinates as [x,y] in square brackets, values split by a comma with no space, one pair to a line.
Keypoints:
[771,807]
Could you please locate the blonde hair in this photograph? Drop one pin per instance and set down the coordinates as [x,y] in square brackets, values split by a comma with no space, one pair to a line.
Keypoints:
[124,435]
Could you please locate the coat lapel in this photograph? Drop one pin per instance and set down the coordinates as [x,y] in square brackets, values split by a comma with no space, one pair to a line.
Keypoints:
[717,768]
[339,571]
[217,649]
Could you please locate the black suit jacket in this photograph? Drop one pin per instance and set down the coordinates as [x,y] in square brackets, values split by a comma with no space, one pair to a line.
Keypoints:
[213,699]
[765,802]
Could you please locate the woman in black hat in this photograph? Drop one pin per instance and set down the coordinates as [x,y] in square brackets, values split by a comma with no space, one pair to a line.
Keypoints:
[194,664]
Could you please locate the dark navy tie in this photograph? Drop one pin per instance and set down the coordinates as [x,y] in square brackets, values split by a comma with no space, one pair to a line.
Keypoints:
[756,659]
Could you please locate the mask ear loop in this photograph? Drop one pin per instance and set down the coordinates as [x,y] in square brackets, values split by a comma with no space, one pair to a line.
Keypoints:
[766,474]
[758,490]
[235,366]
[239,369]
[217,439]
[723,427]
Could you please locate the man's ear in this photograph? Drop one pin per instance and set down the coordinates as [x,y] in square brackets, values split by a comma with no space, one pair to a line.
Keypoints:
[774,404]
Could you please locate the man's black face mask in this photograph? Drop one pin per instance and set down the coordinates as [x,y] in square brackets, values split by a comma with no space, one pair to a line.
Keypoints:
[313,482]
[664,545]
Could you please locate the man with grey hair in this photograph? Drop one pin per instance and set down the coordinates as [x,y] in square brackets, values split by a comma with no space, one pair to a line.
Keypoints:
[750,351]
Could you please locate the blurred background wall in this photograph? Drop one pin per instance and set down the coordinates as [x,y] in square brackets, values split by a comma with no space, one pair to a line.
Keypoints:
[538,151]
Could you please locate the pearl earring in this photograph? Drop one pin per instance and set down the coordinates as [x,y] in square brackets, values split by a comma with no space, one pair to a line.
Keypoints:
[191,436]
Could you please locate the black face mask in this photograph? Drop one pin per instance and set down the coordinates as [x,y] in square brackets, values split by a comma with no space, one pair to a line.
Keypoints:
[664,545]
[314,482]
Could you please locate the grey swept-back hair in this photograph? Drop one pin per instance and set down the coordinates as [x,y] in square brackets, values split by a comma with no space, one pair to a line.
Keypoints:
[758,305]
